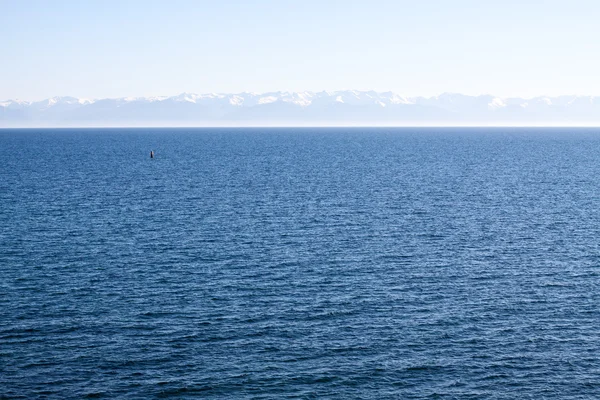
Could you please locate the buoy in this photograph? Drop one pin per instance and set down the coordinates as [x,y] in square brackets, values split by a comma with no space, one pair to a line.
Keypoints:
[151,153]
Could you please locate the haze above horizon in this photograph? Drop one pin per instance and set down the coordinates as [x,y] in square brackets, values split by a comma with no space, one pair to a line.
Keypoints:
[139,48]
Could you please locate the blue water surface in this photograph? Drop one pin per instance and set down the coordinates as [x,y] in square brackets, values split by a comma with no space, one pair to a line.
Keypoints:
[300,263]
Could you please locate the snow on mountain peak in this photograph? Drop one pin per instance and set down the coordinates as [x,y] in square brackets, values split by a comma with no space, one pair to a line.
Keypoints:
[395,99]
[236,100]
[496,103]
[302,99]
[267,100]
[186,97]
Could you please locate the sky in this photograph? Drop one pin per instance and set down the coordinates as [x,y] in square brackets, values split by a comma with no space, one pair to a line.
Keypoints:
[98,49]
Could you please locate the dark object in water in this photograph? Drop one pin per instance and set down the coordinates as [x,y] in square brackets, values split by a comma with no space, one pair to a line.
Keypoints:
[151,153]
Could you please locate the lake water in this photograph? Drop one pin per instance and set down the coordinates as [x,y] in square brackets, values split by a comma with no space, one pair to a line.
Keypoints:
[300,263]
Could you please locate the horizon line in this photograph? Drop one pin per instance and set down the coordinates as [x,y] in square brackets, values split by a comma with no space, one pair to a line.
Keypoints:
[288,126]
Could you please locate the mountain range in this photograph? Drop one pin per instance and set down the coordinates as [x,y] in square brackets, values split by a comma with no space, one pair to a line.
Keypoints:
[347,107]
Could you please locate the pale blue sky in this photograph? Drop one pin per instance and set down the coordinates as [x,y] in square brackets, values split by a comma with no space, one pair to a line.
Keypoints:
[111,48]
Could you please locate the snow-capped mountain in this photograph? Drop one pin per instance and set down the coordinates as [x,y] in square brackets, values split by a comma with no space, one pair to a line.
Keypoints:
[346,107]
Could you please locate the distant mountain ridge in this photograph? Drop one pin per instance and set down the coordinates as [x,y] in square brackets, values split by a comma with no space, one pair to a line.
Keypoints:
[347,107]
